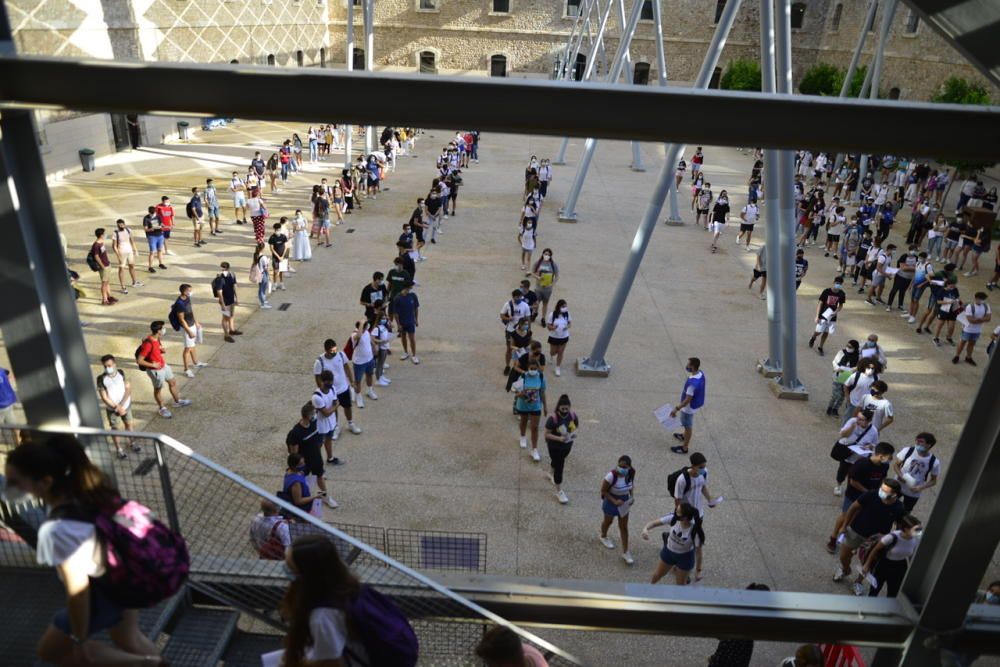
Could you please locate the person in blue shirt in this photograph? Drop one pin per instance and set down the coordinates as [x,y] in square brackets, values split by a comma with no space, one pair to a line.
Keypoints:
[530,406]
[7,397]
[692,399]
[406,310]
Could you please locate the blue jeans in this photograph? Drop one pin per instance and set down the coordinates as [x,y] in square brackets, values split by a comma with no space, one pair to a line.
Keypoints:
[475,151]
[934,246]
[313,150]
[284,171]
[262,289]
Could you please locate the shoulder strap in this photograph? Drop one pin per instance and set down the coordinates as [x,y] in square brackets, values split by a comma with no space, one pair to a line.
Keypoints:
[909,453]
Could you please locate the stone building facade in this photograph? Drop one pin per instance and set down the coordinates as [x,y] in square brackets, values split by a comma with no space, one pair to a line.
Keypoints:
[521,38]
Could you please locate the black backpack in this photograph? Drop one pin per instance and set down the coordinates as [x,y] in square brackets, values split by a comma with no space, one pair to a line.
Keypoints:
[674,476]
[217,284]
[93,262]
[910,451]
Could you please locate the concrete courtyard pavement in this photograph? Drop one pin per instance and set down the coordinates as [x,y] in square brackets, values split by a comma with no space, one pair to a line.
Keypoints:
[439,448]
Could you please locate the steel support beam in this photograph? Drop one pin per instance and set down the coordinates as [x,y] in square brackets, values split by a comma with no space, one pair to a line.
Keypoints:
[448,102]
[770,366]
[674,218]
[629,80]
[348,126]
[568,212]
[781,250]
[561,155]
[369,18]
[876,73]
[960,537]
[853,67]
[595,364]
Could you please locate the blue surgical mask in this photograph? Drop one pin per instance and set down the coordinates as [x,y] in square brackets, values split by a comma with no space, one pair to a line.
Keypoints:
[532,374]
[703,472]
[883,495]
[921,449]
[622,471]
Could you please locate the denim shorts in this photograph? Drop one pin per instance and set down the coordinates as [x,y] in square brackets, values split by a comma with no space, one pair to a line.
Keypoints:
[687,419]
[104,614]
[970,337]
[609,508]
[361,370]
[683,561]
[155,243]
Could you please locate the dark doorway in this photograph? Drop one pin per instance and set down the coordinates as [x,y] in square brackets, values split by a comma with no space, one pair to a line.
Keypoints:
[322,56]
[300,58]
[716,75]
[270,59]
[580,67]
[498,65]
[359,59]
[119,128]
[641,75]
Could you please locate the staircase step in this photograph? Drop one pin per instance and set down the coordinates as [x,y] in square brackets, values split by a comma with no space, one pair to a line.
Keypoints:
[153,621]
[246,648]
[199,637]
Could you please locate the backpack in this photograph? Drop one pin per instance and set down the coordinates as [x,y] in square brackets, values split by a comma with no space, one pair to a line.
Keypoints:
[256,275]
[174,318]
[349,347]
[273,549]
[189,210]
[384,631]
[674,476]
[217,284]
[869,544]
[138,352]
[93,262]
[146,562]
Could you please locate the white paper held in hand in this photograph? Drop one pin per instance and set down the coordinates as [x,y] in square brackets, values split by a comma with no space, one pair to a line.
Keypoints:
[272,659]
[663,416]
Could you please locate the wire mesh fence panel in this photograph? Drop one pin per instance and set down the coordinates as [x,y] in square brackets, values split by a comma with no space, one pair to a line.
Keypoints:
[437,550]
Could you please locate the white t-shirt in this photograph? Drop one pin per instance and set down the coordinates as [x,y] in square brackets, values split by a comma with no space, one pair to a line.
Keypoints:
[860,386]
[561,323]
[363,352]
[124,239]
[528,237]
[335,366]
[322,401]
[975,310]
[114,385]
[329,636]
[751,212]
[836,225]
[621,486]
[902,547]
[680,540]
[916,469]
[70,541]
[881,408]
[262,526]
[382,333]
[861,437]
[515,311]
[237,185]
[691,493]
[255,205]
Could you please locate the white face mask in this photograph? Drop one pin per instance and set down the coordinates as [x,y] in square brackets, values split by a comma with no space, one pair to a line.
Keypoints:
[110,370]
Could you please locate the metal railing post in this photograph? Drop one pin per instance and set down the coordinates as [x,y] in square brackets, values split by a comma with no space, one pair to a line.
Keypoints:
[169,503]
[771,366]
[595,364]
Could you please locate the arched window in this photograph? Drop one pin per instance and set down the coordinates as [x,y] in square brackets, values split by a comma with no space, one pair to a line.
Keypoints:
[641,74]
[912,23]
[300,58]
[270,59]
[646,13]
[322,56]
[894,93]
[234,61]
[498,65]
[720,5]
[716,75]
[428,62]
[838,11]
[359,59]
[572,7]
[798,14]
[580,67]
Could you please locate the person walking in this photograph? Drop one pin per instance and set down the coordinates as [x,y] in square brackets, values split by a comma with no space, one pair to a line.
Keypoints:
[691,486]
[682,545]
[150,358]
[124,249]
[260,270]
[887,559]
[526,236]
[546,274]
[558,324]
[748,217]
[512,312]
[720,216]
[182,318]
[760,271]
[224,289]
[406,309]
[97,260]
[59,473]
[560,433]
[530,405]
[873,513]
[618,497]
[692,399]
[831,302]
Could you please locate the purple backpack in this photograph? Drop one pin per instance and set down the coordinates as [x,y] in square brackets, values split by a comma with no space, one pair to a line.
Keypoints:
[387,636]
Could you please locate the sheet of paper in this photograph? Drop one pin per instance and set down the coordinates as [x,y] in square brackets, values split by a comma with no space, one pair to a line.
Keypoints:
[624,508]
[860,450]
[663,416]
[272,659]
[828,313]
[891,271]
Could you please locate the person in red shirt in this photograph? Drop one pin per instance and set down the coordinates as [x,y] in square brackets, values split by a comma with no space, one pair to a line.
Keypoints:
[165,212]
[149,356]
[99,252]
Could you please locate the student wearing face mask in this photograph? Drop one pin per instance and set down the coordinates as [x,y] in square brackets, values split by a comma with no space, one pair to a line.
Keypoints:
[692,400]
[974,315]
[843,367]
[831,302]
[887,559]
[682,544]
[306,439]
[559,322]
[859,434]
[530,405]
[115,393]
[872,350]
[546,273]
[617,496]
[691,487]
[295,487]
[907,270]
[720,216]
[859,385]
[878,406]
[224,289]
[874,512]
[560,434]
[864,475]
[916,468]
[512,312]
[381,335]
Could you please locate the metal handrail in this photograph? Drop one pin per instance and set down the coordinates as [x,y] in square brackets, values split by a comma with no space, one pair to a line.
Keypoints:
[358,546]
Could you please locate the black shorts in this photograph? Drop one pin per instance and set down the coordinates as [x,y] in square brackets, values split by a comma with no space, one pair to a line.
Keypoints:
[557,341]
[313,459]
[867,271]
[535,413]
[947,316]
[744,227]
[833,237]
[344,398]
[702,211]
[759,274]
[419,233]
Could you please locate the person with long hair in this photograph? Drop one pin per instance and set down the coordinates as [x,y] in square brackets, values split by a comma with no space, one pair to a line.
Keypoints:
[530,405]
[316,606]
[262,261]
[272,172]
[558,323]
[258,214]
[618,496]
[527,237]
[59,473]
[681,544]
[546,273]
[560,434]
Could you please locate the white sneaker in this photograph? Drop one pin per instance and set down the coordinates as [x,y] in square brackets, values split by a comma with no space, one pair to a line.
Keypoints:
[360,400]
[171,252]
[839,575]
[558,371]
[523,442]
[627,557]
[372,395]
[201,364]
[859,588]
[837,491]
[189,373]
[384,381]
[333,504]
[166,414]
[904,315]
[535,456]
[606,541]
[182,403]
[265,306]
[354,428]
[416,362]
[888,309]
[403,357]
[910,319]
[563,498]
[282,287]
[336,432]
[386,366]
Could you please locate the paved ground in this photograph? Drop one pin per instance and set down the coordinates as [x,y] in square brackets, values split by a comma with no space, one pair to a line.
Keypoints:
[439,449]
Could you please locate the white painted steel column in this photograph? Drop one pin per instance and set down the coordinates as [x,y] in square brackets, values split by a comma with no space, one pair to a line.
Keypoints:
[876,74]
[348,127]
[772,364]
